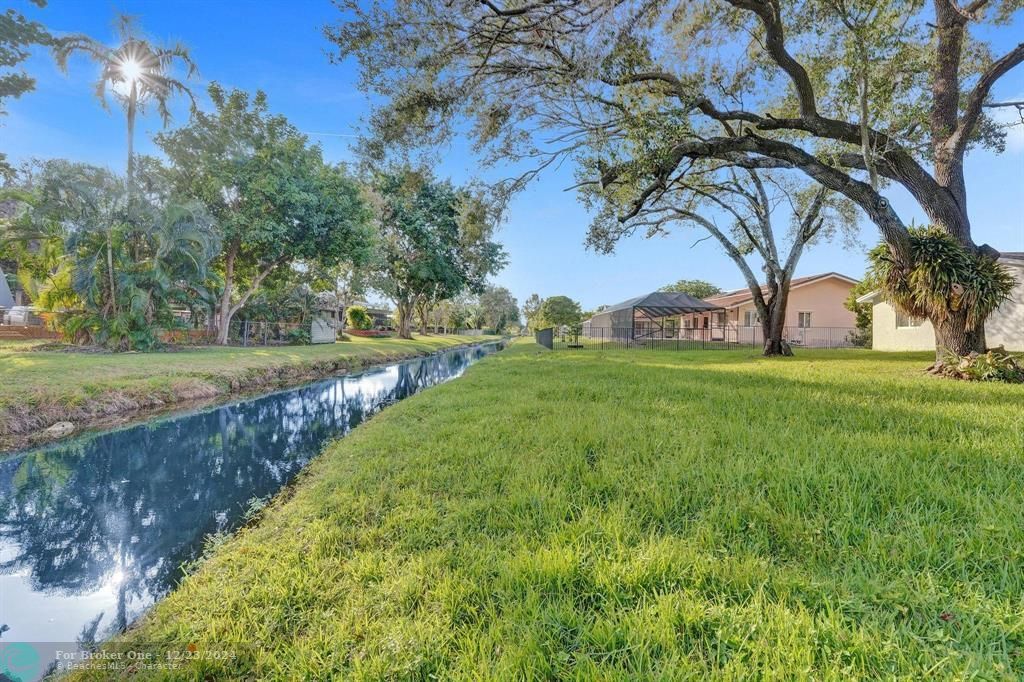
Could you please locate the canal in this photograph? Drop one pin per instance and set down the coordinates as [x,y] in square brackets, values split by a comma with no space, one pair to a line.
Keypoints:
[94,531]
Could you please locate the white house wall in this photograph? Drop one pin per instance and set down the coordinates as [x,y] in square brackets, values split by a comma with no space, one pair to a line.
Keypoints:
[1005,327]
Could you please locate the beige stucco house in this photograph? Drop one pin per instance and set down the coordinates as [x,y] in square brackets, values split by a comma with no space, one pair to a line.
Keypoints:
[815,315]
[814,302]
[893,331]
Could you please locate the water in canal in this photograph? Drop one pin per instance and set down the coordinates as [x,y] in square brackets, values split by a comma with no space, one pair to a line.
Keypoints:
[95,530]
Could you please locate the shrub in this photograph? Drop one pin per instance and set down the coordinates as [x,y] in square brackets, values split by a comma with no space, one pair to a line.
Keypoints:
[358,318]
[995,365]
[298,336]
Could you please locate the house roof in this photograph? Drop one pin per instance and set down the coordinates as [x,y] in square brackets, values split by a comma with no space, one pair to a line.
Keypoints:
[6,299]
[662,303]
[731,299]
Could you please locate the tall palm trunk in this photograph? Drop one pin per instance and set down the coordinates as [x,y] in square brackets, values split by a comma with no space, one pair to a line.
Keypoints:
[133,97]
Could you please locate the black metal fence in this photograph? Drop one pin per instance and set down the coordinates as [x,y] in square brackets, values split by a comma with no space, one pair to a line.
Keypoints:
[703,338]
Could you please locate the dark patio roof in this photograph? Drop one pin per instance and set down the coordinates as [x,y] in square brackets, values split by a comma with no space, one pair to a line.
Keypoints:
[663,303]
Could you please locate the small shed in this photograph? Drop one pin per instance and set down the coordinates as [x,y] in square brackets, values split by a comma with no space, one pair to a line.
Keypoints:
[327,321]
[644,313]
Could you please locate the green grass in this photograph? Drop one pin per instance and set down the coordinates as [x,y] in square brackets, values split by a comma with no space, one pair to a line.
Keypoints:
[638,515]
[44,382]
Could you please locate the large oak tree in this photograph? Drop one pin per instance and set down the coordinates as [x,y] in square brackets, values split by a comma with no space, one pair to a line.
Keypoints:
[858,95]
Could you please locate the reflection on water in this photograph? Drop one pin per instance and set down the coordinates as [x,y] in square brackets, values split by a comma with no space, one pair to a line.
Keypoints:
[94,531]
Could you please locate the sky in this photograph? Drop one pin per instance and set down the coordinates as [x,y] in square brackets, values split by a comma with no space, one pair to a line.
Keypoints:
[278,46]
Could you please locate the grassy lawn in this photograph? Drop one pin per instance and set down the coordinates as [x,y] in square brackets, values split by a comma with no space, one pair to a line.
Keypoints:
[641,514]
[41,381]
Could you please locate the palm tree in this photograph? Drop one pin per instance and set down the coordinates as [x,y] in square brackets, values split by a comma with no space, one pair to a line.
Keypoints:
[137,71]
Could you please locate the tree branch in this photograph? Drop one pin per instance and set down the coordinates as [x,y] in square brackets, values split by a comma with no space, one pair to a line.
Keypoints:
[775,45]
[976,100]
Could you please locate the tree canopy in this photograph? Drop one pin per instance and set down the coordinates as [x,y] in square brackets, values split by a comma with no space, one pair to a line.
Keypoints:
[855,94]
[17,36]
[435,242]
[498,308]
[274,200]
[557,311]
[697,288]
[531,310]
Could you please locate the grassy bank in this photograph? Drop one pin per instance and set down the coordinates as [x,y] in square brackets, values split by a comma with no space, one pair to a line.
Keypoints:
[629,515]
[39,388]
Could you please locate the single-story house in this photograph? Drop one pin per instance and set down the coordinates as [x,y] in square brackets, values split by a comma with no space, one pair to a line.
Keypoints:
[815,315]
[815,312]
[894,331]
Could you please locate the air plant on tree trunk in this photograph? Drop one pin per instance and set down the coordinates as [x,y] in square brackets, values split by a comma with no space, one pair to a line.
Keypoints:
[946,284]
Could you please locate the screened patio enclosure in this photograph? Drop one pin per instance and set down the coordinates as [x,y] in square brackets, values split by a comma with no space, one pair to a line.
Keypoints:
[652,316]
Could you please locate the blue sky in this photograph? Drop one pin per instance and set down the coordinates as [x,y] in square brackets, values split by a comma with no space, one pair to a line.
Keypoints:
[278,47]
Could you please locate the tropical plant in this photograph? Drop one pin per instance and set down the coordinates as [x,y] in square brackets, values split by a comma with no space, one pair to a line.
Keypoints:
[994,365]
[953,287]
[127,261]
[358,317]
[299,336]
[137,71]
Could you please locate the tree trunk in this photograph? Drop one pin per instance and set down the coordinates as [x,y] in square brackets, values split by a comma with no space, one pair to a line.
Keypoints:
[774,325]
[774,330]
[404,310]
[225,299]
[130,170]
[952,338]
[424,316]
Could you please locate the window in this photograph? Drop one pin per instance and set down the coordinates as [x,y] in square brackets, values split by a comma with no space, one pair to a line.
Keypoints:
[751,318]
[670,327]
[803,320]
[719,319]
[907,321]
[686,323]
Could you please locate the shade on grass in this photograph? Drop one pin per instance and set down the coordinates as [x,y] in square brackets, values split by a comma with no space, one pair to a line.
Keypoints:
[638,515]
